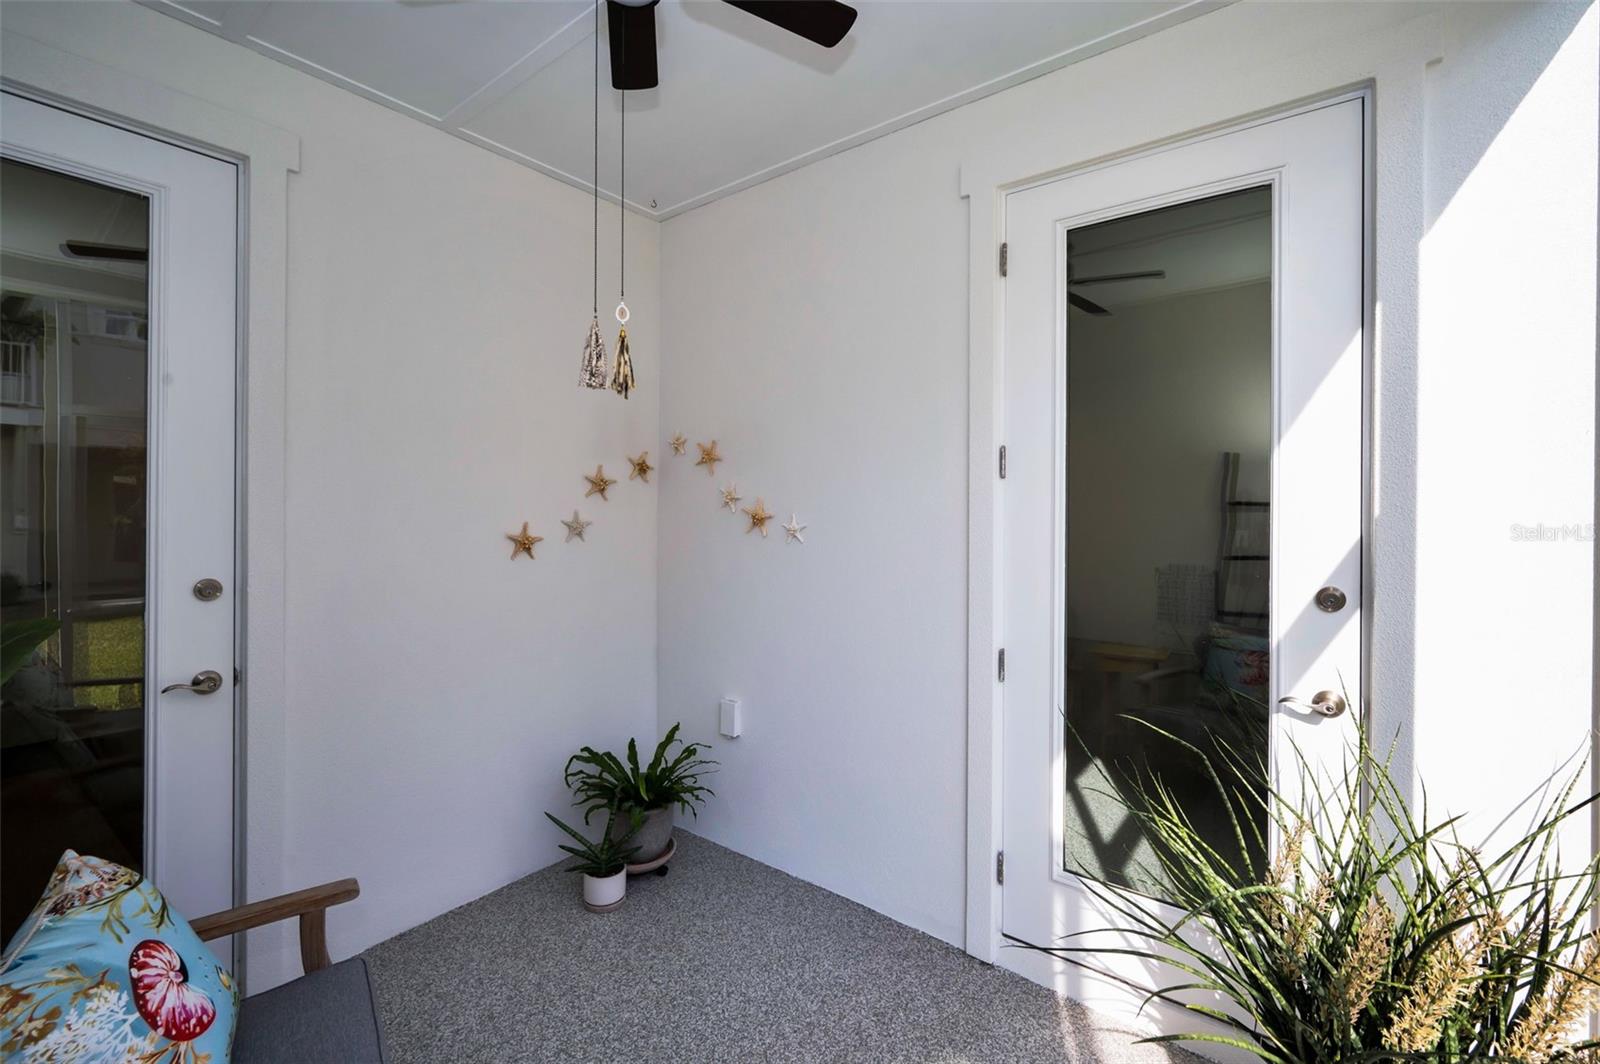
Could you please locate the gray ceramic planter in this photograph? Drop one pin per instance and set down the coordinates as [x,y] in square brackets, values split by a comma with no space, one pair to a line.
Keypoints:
[653,835]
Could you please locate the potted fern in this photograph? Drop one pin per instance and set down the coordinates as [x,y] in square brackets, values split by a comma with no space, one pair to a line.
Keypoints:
[1375,935]
[603,863]
[670,783]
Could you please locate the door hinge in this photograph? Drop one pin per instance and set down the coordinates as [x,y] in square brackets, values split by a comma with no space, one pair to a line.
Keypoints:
[1002,461]
[1004,259]
[1002,664]
[1000,867]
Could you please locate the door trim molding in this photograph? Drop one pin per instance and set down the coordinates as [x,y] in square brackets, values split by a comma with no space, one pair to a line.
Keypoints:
[265,156]
[985,184]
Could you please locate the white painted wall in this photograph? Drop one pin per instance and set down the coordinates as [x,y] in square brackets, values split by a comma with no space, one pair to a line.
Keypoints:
[818,326]
[435,304]
[1504,412]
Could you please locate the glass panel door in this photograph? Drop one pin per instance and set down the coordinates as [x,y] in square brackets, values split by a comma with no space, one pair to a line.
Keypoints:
[1183,414]
[1168,514]
[73,486]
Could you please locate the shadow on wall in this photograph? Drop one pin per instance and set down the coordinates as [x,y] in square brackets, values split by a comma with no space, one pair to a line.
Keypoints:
[1460,125]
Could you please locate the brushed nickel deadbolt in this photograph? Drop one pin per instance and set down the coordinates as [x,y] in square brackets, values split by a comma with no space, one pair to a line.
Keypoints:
[1330,600]
[208,590]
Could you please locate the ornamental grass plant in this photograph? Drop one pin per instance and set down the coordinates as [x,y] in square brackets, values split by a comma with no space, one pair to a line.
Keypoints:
[1375,934]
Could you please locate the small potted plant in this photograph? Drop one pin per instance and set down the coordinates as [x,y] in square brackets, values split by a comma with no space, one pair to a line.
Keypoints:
[670,782]
[604,864]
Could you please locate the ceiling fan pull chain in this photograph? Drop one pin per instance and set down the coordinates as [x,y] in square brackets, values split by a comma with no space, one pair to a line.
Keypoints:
[622,375]
[592,369]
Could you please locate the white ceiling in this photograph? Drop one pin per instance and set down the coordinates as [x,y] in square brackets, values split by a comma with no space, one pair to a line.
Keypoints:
[740,101]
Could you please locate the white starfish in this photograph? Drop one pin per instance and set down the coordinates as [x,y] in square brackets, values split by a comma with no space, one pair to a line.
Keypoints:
[731,497]
[575,527]
[793,529]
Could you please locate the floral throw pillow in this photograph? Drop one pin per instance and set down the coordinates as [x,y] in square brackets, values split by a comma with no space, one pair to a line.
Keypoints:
[1239,661]
[104,970]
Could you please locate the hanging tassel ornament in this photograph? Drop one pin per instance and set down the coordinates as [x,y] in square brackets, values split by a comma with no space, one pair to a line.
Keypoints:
[622,377]
[592,372]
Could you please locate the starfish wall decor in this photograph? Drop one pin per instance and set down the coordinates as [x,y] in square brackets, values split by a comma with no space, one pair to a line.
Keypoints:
[758,518]
[599,483]
[575,528]
[523,542]
[708,457]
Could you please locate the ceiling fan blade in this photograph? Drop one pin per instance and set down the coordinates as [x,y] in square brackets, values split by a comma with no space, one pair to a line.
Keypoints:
[1088,306]
[823,22]
[88,249]
[1108,278]
[632,29]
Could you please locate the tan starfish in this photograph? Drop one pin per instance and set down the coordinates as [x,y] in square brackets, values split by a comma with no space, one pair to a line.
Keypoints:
[523,542]
[758,518]
[599,483]
[708,457]
[641,467]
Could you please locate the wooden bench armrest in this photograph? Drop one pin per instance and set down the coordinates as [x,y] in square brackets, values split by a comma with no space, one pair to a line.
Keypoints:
[310,905]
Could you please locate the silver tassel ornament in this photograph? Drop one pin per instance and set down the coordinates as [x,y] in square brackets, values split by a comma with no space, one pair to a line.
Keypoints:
[622,377]
[593,373]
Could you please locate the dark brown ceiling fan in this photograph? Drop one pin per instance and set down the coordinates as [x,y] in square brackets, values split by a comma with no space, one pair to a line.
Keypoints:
[632,24]
[1089,306]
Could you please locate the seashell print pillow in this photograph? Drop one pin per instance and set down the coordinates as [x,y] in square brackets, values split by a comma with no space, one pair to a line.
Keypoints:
[104,970]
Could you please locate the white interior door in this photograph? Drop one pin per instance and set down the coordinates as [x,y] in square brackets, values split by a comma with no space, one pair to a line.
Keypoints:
[1183,506]
[119,277]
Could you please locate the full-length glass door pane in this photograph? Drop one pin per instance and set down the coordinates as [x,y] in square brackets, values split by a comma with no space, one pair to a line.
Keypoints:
[73,306]
[1168,512]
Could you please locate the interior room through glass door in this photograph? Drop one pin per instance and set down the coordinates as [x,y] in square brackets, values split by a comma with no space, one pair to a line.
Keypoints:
[1168,515]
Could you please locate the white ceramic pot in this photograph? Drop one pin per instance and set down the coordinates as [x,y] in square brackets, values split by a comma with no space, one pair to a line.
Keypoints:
[604,894]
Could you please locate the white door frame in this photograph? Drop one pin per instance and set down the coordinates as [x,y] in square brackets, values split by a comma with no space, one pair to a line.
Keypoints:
[986,191]
[265,155]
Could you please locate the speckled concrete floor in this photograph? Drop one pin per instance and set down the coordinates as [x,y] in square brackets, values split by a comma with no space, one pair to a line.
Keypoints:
[725,959]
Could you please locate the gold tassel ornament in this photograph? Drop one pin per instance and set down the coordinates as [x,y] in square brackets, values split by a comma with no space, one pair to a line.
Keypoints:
[622,375]
[593,372]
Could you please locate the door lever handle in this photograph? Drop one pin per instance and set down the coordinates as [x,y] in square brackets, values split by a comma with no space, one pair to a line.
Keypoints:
[204,683]
[1323,703]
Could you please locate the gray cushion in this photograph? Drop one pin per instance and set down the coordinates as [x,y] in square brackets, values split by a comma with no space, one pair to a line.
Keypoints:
[327,1016]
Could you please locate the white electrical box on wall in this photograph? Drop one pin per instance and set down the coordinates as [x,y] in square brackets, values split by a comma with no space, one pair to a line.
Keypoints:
[732,718]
